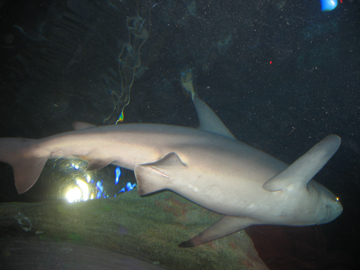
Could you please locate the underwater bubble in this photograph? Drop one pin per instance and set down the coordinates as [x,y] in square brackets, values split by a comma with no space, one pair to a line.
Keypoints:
[78,184]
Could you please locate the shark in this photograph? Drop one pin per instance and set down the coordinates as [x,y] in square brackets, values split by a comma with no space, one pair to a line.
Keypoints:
[205,165]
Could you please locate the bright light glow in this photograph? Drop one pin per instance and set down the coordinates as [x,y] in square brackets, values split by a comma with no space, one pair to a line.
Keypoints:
[73,194]
[78,193]
[328,5]
[84,189]
[88,185]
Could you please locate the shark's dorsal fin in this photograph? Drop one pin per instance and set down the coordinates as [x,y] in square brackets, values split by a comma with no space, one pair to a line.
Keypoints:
[304,168]
[82,125]
[208,119]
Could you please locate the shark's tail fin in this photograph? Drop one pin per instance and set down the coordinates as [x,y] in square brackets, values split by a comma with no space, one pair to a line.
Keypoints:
[26,159]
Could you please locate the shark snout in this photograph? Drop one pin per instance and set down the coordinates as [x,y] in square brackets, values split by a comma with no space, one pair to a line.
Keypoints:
[332,212]
[338,208]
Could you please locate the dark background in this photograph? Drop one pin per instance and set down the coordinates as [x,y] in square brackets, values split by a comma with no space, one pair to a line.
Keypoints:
[280,74]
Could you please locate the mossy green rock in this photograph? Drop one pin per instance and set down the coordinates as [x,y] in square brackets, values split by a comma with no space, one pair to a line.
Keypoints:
[148,228]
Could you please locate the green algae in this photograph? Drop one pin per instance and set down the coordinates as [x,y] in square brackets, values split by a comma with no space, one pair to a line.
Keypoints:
[148,228]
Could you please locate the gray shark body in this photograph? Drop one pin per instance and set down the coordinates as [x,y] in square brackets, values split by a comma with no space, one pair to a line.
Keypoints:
[207,165]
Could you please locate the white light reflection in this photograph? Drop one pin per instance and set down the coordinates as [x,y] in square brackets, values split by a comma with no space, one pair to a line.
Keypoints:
[84,189]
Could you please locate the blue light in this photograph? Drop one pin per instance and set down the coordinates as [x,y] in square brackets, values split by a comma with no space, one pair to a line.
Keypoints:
[117,175]
[100,187]
[130,186]
[328,5]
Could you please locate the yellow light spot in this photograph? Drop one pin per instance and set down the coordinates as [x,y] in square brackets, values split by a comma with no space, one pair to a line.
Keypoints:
[337,199]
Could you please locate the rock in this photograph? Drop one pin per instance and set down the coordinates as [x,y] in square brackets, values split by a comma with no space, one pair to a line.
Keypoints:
[144,228]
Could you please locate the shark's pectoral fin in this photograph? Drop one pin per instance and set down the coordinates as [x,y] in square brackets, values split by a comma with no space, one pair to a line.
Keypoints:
[26,159]
[225,226]
[304,168]
[158,175]
[27,171]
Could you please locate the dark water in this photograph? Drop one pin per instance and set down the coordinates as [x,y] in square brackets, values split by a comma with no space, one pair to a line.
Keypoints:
[280,74]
